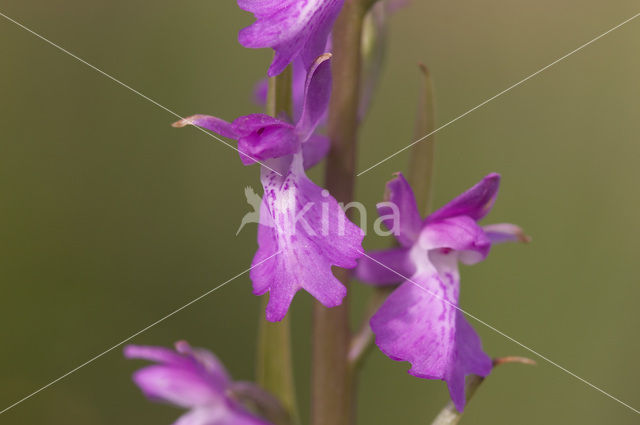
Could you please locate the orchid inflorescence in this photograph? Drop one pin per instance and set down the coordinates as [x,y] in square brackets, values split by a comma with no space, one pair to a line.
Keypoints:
[303,231]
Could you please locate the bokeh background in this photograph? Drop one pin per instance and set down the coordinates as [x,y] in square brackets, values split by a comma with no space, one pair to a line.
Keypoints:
[110,218]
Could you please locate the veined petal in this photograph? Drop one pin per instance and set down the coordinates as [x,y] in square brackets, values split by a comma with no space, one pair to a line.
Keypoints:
[208,361]
[470,359]
[476,202]
[203,416]
[259,136]
[317,91]
[262,137]
[186,377]
[417,324]
[385,267]
[223,415]
[404,219]
[192,378]
[420,323]
[319,37]
[214,124]
[303,232]
[506,232]
[291,27]
[154,354]
[461,234]
[270,142]
[183,387]
[262,8]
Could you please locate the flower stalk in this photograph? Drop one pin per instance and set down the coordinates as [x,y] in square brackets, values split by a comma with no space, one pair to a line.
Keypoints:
[449,415]
[420,175]
[274,369]
[362,340]
[332,398]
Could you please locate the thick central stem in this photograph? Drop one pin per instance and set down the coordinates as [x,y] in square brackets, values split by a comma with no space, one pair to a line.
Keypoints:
[332,392]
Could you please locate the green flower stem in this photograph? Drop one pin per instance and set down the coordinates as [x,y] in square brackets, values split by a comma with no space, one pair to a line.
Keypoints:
[362,341]
[420,175]
[449,415]
[274,367]
[332,398]
[279,94]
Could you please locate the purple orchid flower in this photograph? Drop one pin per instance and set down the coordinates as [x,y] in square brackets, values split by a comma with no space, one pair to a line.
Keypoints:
[374,40]
[420,322]
[293,255]
[290,27]
[192,378]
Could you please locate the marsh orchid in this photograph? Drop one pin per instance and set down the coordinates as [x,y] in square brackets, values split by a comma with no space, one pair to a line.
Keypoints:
[292,28]
[420,322]
[192,378]
[303,231]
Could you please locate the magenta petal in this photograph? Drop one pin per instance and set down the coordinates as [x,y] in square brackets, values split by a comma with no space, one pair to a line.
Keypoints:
[461,234]
[420,323]
[214,124]
[316,96]
[291,27]
[506,232]
[193,378]
[407,220]
[262,8]
[251,123]
[218,415]
[314,150]
[298,84]
[261,137]
[271,142]
[180,386]
[319,37]
[154,354]
[201,416]
[470,359]
[416,324]
[187,377]
[476,202]
[208,362]
[385,267]
[303,232]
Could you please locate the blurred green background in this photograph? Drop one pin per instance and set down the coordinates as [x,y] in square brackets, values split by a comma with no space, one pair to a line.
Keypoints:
[111,219]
